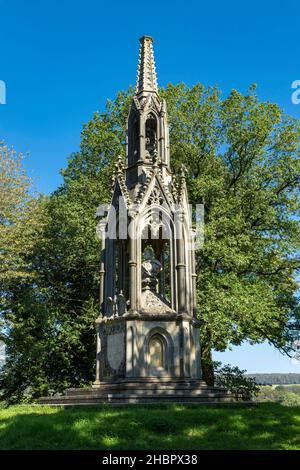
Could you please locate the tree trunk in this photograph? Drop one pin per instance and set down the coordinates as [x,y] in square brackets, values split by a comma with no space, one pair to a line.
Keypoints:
[207,361]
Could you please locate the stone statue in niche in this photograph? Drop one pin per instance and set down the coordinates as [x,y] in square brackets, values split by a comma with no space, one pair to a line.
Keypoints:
[110,306]
[121,303]
[151,140]
[151,267]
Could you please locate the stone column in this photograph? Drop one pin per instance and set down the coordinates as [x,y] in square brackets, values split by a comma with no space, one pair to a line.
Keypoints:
[161,138]
[194,276]
[196,331]
[181,350]
[98,352]
[162,274]
[132,265]
[102,266]
[186,349]
[142,137]
[130,348]
[180,267]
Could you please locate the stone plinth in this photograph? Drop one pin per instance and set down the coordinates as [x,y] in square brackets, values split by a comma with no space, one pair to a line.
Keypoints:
[148,391]
[126,342]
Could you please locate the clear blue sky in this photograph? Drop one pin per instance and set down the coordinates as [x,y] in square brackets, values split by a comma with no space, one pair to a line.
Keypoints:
[62,59]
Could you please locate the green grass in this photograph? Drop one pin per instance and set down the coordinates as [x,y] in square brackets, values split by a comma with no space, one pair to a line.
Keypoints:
[174,427]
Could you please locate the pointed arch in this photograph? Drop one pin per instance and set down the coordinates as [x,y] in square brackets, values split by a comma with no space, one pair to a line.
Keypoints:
[159,352]
[151,134]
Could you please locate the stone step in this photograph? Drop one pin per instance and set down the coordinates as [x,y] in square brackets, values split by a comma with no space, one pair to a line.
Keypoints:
[144,385]
[134,399]
[145,392]
[143,388]
[148,390]
[159,380]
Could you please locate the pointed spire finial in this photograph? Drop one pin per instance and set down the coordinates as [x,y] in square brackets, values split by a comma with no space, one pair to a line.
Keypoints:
[146,79]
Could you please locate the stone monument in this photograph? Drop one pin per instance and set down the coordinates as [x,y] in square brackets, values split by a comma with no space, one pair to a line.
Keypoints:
[148,340]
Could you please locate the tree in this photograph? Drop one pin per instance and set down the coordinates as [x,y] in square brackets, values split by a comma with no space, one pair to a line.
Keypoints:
[242,157]
[18,216]
[20,222]
[234,379]
[243,161]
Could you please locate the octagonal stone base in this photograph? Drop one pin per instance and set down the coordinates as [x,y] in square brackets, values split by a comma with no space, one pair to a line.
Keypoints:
[124,347]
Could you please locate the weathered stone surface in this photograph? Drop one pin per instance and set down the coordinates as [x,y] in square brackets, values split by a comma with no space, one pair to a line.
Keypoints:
[148,390]
[111,348]
[153,303]
[115,350]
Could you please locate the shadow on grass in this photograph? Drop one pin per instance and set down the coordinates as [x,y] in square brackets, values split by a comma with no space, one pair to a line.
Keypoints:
[176,427]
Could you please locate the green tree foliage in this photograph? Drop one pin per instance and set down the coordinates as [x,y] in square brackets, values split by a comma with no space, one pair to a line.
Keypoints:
[234,379]
[19,219]
[243,161]
[21,224]
[281,394]
[242,158]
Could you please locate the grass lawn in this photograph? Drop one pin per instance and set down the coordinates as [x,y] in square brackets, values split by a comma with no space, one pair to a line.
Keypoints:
[175,427]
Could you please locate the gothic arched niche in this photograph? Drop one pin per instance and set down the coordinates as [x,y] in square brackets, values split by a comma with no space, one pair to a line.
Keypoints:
[151,134]
[158,243]
[133,138]
[159,353]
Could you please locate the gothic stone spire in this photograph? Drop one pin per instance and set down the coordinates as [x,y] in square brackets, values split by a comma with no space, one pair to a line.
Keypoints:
[146,79]
[147,126]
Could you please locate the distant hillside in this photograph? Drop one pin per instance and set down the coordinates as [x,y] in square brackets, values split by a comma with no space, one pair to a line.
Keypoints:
[276,379]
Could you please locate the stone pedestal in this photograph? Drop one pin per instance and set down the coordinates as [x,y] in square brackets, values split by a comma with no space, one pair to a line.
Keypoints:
[146,359]
[148,345]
